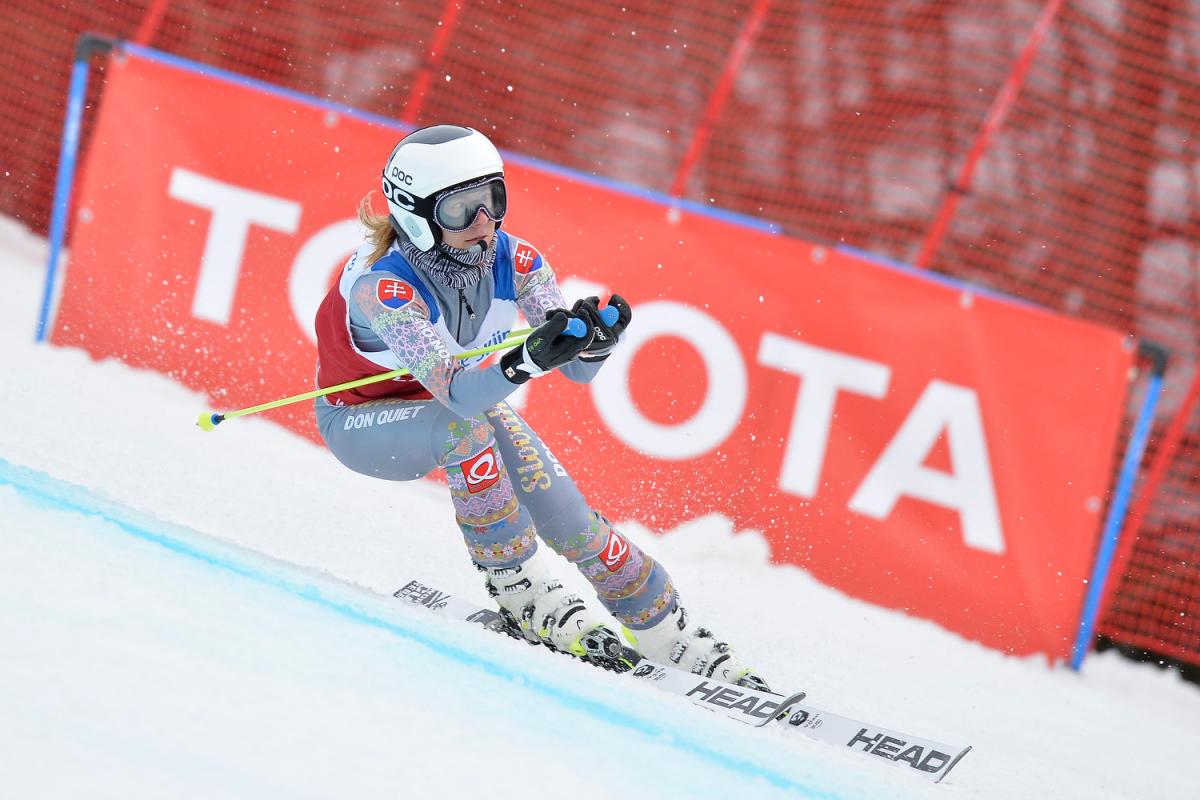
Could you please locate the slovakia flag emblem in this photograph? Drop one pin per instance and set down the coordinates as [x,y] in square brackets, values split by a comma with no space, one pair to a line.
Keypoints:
[393,293]
[526,259]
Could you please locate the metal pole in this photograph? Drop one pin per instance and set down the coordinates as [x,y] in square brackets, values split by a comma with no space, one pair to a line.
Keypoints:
[68,155]
[1120,503]
[1155,473]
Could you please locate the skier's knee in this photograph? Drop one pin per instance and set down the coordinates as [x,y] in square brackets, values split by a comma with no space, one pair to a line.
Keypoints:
[466,438]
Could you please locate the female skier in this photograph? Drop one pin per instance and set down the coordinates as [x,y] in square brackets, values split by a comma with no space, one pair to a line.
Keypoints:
[437,277]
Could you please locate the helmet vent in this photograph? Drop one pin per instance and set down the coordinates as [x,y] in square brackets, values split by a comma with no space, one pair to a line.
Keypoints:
[437,134]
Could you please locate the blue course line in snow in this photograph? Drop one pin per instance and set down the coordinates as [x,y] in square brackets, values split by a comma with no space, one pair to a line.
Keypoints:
[60,495]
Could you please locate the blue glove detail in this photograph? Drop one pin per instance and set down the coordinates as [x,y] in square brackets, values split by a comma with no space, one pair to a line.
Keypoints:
[559,340]
[577,328]
[609,323]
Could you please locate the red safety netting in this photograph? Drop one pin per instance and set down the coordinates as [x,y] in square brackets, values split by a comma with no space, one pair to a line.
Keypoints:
[1045,149]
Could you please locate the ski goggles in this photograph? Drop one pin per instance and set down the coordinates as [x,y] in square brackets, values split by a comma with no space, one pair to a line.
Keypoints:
[456,209]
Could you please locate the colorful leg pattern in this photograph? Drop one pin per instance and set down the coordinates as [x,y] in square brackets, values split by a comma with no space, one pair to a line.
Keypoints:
[499,532]
[634,587]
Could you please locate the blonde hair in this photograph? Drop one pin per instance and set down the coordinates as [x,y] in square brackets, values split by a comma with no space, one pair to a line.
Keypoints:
[379,229]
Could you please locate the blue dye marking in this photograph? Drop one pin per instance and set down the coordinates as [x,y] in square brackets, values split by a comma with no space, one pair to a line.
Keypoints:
[48,491]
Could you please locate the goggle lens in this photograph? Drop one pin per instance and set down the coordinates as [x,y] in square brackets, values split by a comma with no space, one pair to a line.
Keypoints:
[456,210]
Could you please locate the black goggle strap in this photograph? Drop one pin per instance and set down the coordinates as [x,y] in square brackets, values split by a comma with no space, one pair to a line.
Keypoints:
[421,206]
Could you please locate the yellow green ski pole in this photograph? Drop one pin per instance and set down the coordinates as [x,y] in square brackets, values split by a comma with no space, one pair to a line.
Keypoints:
[211,419]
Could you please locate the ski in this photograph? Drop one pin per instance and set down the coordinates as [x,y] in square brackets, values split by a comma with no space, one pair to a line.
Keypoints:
[929,758]
[743,704]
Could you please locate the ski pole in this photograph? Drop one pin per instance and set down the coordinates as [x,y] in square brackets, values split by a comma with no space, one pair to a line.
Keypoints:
[211,419]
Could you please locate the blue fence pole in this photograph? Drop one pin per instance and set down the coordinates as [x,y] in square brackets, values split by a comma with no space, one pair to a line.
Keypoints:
[68,156]
[1120,504]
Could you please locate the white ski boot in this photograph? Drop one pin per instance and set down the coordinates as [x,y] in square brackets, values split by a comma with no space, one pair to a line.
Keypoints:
[537,608]
[680,642]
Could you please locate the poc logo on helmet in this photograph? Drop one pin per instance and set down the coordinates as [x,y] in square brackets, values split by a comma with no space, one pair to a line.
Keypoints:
[401,176]
[398,196]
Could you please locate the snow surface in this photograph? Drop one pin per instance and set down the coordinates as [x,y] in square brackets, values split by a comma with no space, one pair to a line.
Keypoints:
[189,615]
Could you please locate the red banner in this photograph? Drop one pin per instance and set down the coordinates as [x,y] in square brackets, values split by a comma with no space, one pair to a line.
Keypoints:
[921,446]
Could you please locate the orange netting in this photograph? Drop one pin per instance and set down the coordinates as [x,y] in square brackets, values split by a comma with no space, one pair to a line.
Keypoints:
[855,122]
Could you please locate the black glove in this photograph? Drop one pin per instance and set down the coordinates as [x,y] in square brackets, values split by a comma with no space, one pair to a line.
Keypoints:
[610,322]
[560,338]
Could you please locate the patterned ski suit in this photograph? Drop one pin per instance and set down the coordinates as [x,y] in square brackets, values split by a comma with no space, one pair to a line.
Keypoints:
[508,489]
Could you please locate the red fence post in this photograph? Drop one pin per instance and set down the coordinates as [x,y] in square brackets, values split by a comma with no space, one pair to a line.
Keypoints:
[150,20]
[433,59]
[995,118]
[716,101]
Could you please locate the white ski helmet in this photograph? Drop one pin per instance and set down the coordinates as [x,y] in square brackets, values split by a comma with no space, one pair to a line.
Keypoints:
[431,165]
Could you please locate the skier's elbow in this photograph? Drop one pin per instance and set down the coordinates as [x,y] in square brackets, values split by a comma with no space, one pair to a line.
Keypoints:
[472,392]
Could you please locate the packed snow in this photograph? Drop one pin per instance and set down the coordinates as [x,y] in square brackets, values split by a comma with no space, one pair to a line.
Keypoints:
[195,615]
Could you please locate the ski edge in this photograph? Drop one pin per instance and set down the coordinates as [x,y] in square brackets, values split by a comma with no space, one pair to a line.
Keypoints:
[952,764]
